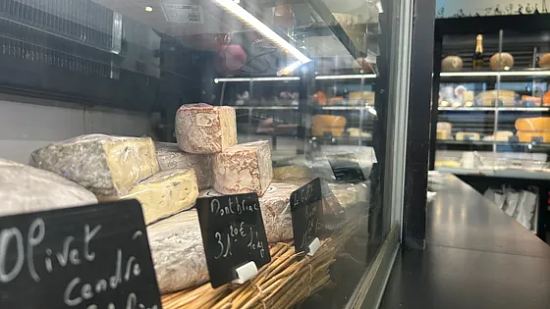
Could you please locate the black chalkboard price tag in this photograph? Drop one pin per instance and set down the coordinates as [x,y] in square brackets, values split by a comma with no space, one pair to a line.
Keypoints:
[85,257]
[233,236]
[346,170]
[306,208]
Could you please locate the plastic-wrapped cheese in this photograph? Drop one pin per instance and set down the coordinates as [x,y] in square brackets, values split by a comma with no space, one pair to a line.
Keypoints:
[105,165]
[165,193]
[243,168]
[202,128]
[176,242]
[170,157]
[26,189]
[177,252]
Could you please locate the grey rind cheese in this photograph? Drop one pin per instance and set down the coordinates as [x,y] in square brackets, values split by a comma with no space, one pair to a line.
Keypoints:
[176,242]
[177,251]
[27,189]
[105,165]
[170,157]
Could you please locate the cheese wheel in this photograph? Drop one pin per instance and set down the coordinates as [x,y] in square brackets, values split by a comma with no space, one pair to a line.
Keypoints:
[204,129]
[533,124]
[529,136]
[451,64]
[105,165]
[328,124]
[546,99]
[26,189]
[502,62]
[243,168]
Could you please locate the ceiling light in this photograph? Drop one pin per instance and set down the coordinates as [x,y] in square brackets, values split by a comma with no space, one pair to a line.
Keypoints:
[249,19]
[148,9]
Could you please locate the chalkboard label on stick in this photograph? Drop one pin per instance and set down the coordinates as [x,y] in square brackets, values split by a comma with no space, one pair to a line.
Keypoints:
[84,257]
[306,207]
[346,170]
[233,235]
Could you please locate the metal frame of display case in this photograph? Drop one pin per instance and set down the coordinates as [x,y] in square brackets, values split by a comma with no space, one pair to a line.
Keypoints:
[480,181]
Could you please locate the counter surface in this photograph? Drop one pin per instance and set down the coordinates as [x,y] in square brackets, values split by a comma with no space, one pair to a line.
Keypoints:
[476,256]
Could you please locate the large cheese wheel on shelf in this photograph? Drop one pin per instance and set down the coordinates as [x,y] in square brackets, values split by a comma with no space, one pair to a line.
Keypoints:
[501,62]
[328,124]
[164,194]
[243,168]
[502,97]
[546,99]
[26,189]
[170,157]
[451,64]
[533,124]
[544,61]
[105,165]
[202,128]
[529,136]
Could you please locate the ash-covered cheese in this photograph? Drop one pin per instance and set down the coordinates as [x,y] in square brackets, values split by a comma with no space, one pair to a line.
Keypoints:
[165,193]
[243,168]
[177,251]
[105,165]
[27,189]
[202,128]
[170,157]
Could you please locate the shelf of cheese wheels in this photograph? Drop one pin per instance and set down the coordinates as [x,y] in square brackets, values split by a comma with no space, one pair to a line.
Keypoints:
[167,179]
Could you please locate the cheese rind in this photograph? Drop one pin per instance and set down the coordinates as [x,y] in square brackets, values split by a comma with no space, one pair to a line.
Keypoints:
[178,252]
[202,128]
[165,193]
[26,189]
[105,165]
[243,168]
[170,157]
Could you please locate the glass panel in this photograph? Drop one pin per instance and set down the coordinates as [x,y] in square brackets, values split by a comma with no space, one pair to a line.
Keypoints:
[311,77]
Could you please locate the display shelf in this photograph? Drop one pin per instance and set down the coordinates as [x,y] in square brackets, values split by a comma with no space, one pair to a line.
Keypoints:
[256,79]
[285,108]
[492,109]
[525,73]
[346,76]
[484,143]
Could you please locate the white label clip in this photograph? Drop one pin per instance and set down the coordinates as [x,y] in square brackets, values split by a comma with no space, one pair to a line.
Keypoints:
[314,246]
[245,272]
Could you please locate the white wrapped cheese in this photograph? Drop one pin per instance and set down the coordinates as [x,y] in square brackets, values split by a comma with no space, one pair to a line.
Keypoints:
[202,128]
[105,165]
[170,157]
[243,168]
[27,189]
[165,193]
[176,242]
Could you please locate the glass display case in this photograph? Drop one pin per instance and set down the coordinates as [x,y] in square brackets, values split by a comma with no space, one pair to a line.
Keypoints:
[172,101]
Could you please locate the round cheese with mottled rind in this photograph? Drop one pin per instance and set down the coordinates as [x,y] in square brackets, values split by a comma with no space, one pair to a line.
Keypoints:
[105,165]
[243,168]
[26,189]
[202,128]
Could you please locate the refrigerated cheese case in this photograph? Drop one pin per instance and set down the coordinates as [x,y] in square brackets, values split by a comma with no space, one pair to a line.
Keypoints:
[169,102]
